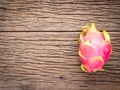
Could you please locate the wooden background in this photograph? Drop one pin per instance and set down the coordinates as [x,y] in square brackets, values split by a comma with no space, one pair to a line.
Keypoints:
[38,44]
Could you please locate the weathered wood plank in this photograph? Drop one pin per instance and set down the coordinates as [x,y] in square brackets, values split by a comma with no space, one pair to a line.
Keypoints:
[58,15]
[49,61]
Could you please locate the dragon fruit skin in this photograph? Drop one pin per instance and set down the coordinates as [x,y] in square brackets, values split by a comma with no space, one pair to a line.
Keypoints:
[94,49]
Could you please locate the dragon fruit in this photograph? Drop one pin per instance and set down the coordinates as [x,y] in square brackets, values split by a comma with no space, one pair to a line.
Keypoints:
[94,49]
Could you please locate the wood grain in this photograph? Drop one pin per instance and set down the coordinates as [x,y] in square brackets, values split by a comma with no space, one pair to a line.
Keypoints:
[38,44]
[58,15]
[49,61]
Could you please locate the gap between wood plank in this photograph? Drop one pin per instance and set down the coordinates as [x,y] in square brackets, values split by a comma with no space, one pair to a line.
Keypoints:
[53,31]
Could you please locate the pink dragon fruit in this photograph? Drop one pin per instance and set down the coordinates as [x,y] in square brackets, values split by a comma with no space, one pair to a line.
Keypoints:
[94,49]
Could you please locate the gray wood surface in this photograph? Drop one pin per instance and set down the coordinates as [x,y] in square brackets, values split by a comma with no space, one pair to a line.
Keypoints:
[48,60]
[38,44]
[58,15]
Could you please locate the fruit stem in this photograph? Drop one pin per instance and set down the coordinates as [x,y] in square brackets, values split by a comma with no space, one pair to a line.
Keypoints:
[92,27]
